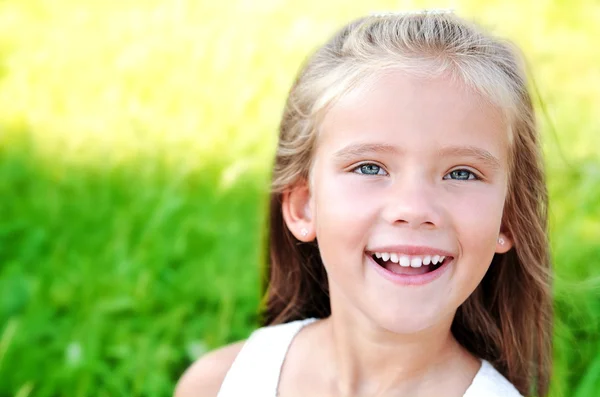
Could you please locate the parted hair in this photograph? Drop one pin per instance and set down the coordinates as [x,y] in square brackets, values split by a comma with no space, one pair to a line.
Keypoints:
[507,320]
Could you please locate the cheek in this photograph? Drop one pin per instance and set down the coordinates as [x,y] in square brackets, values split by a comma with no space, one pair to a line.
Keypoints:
[477,219]
[345,211]
[343,201]
[483,202]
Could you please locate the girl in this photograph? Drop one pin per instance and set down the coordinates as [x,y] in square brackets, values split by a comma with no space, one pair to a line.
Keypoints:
[408,238]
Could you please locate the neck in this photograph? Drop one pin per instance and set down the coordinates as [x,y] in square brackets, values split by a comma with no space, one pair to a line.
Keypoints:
[369,360]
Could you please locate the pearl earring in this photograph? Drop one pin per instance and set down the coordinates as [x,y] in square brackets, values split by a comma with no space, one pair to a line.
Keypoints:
[501,240]
[304,232]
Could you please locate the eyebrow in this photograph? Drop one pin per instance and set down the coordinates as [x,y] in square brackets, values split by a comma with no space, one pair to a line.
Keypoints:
[474,152]
[350,152]
[358,149]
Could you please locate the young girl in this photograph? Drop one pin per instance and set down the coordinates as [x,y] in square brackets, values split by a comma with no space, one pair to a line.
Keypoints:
[408,237]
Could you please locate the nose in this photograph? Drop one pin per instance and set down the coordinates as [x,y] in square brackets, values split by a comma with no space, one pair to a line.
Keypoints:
[412,202]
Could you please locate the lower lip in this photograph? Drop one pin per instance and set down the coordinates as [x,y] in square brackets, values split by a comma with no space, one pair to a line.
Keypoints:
[404,279]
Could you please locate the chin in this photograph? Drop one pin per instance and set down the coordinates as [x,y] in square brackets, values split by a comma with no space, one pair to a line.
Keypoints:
[404,321]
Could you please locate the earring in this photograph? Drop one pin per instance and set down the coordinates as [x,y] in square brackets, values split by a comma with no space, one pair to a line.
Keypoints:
[304,232]
[501,240]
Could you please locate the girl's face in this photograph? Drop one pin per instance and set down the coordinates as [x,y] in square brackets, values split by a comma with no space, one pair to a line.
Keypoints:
[412,168]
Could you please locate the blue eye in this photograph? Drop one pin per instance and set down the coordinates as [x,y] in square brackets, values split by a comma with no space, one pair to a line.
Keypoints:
[461,175]
[370,169]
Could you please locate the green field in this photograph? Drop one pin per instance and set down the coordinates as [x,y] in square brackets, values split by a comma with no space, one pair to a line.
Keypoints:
[136,138]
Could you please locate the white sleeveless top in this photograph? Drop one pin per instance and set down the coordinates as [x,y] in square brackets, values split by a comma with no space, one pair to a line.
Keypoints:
[256,369]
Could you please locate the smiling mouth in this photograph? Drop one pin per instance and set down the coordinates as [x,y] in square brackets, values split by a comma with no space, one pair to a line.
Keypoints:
[409,264]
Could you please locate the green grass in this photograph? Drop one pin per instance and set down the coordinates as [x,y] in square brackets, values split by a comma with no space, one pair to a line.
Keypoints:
[135,144]
[113,279]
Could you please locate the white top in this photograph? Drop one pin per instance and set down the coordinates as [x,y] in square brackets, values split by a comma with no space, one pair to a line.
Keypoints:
[256,369]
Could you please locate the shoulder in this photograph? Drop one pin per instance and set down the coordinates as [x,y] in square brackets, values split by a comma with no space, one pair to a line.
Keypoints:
[490,383]
[205,376]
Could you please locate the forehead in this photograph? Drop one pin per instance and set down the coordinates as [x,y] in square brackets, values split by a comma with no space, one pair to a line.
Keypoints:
[414,113]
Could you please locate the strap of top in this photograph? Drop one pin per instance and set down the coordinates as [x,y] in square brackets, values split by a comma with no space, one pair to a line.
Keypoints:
[256,369]
[490,383]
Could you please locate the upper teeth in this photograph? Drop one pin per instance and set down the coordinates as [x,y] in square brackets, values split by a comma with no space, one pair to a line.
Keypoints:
[410,260]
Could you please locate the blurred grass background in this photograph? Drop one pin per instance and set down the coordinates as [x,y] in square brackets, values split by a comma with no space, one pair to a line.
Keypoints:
[136,139]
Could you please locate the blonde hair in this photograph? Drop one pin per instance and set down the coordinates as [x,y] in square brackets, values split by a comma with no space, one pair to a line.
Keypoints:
[507,319]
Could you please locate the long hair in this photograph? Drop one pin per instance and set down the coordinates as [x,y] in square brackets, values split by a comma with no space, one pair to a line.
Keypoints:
[507,319]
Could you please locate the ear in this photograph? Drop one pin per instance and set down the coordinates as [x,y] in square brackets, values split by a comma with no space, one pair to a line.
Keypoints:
[295,207]
[504,243]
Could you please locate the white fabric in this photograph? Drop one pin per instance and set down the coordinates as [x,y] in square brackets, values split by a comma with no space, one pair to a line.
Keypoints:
[488,382]
[256,369]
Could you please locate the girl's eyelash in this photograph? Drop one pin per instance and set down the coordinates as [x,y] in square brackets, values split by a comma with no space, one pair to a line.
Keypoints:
[459,173]
[372,165]
[470,173]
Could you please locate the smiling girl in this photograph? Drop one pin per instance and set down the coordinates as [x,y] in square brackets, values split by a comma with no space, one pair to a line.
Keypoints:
[408,238]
